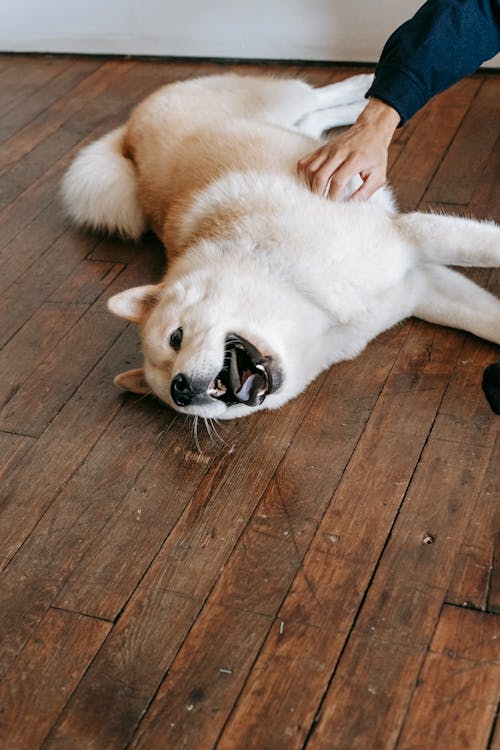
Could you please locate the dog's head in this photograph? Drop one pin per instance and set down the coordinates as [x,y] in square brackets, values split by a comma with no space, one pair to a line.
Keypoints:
[204,353]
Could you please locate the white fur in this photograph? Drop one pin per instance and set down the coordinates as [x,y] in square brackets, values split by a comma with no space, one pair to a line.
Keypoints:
[100,189]
[307,281]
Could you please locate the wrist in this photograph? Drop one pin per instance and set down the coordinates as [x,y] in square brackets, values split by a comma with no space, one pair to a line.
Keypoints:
[382,116]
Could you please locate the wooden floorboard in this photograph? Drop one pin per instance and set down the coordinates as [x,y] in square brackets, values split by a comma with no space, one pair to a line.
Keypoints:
[325,576]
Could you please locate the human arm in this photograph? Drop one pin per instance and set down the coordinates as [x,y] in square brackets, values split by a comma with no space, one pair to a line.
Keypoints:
[443,42]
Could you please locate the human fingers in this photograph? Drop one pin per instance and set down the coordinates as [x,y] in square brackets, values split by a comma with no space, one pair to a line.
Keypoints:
[371,183]
[317,168]
[319,172]
[309,164]
[340,178]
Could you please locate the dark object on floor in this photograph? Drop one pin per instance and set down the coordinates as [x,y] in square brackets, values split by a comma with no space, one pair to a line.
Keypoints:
[491,386]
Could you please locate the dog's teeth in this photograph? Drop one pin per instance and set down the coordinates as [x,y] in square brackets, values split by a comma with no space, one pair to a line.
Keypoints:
[216,388]
[264,371]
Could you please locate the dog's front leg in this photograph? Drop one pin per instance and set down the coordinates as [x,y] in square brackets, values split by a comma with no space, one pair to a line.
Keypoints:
[451,240]
[450,299]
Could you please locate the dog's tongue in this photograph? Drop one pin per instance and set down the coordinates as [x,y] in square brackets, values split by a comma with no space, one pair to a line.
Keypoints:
[250,390]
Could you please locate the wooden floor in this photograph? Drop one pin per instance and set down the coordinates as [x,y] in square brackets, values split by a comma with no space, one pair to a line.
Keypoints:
[324,576]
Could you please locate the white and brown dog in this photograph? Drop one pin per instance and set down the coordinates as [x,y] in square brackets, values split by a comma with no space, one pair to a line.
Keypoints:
[267,284]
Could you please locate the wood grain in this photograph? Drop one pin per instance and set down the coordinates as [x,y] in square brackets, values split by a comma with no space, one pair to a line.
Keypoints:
[465,161]
[58,653]
[400,612]
[427,144]
[459,684]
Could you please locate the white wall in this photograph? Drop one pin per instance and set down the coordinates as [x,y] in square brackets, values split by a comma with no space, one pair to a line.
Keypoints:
[337,30]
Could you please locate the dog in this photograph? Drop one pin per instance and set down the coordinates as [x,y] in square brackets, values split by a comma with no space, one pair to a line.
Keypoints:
[267,283]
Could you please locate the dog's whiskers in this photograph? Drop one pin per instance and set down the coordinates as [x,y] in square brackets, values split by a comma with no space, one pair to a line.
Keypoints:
[195,433]
[214,422]
[208,427]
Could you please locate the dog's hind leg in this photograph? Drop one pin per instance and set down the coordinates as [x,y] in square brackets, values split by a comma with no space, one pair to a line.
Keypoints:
[336,105]
[450,299]
[286,101]
[315,123]
[348,91]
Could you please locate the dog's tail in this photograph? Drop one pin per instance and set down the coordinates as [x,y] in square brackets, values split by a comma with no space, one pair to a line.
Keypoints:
[99,189]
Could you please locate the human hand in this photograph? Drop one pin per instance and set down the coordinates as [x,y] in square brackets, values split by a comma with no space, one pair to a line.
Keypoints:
[363,150]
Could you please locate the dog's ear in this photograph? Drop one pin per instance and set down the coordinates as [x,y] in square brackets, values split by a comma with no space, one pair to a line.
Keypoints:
[135,304]
[132,380]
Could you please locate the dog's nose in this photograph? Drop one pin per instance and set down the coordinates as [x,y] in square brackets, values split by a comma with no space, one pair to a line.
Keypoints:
[181,390]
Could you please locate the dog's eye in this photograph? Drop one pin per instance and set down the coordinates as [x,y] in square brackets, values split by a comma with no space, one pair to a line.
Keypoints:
[176,339]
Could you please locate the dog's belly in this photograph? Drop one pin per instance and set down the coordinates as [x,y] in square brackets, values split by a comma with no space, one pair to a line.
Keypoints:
[342,256]
[213,149]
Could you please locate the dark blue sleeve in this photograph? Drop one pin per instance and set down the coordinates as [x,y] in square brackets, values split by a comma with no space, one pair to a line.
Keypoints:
[443,42]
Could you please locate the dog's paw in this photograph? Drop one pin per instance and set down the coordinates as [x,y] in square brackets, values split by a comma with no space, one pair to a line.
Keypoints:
[491,386]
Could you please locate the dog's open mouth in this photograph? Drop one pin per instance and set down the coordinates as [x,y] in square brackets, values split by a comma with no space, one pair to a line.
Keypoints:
[246,376]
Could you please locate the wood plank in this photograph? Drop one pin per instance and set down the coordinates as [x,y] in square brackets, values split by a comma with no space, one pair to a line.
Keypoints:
[41,680]
[472,579]
[272,547]
[416,567]
[426,146]
[402,606]
[30,235]
[12,449]
[484,201]
[26,351]
[71,435]
[115,562]
[457,694]
[59,451]
[465,161]
[187,566]
[93,115]
[278,704]
[493,604]
[88,281]
[101,92]
[21,79]
[329,587]
[51,120]
[198,693]
[464,413]
[44,392]
[268,551]
[40,281]
[118,553]
[401,138]
[207,531]
[111,698]
[46,82]
[27,228]
[323,75]
[37,399]
[29,584]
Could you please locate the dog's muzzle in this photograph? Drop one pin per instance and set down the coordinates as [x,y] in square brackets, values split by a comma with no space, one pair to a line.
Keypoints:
[247,376]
